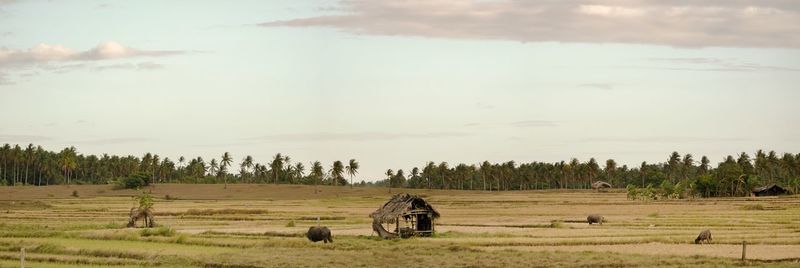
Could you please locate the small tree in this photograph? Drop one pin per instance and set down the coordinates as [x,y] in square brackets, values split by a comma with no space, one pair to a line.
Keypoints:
[632,192]
[145,201]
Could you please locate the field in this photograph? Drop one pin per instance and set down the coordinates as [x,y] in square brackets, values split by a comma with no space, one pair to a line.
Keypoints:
[263,226]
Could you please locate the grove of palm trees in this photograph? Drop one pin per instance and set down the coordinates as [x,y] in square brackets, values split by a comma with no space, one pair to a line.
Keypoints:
[683,175]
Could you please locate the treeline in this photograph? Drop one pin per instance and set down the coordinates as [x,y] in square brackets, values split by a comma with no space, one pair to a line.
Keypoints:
[734,176]
[33,165]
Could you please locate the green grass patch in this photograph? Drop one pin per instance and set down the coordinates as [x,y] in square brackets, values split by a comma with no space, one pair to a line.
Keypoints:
[159,231]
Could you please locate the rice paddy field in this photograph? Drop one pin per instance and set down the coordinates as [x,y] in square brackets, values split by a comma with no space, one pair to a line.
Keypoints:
[264,225]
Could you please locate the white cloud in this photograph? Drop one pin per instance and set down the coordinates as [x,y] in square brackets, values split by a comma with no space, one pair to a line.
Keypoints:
[680,23]
[50,53]
[61,59]
[610,11]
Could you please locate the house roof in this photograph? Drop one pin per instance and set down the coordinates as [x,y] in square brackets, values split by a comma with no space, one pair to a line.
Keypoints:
[599,184]
[400,204]
[764,188]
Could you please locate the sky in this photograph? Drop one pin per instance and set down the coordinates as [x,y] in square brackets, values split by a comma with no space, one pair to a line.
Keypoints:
[395,84]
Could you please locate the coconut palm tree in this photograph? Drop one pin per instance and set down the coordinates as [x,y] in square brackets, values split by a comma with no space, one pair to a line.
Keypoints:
[28,159]
[389,179]
[611,170]
[316,173]
[213,167]
[299,170]
[704,164]
[352,170]
[337,170]
[276,166]
[247,164]
[225,162]
[181,162]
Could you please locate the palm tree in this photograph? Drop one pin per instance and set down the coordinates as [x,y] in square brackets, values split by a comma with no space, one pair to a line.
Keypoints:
[352,170]
[611,170]
[181,161]
[337,170]
[593,169]
[276,166]
[299,170]
[247,164]
[316,173]
[213,167]
[643,170]
[28,160]
[428,171]
[673,165]
[154,165]
[389,179]
[225,162]
[704,164]
[443,170]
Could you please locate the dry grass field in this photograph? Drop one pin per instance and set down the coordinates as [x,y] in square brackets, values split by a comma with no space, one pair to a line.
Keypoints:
[263,226]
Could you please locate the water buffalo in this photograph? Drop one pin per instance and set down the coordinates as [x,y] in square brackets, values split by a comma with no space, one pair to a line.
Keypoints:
[316,234]
[594,218]
[705,235]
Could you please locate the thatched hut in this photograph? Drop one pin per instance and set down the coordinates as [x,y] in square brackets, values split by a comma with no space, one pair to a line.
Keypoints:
[770,190]
[410,214]
[601,185]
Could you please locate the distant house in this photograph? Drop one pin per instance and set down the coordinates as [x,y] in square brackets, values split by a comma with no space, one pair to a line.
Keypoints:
[770,190]
[601,185]
[410,214]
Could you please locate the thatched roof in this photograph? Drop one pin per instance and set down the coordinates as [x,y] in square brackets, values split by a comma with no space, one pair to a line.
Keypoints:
[772,189]
[400,204]
[601,184]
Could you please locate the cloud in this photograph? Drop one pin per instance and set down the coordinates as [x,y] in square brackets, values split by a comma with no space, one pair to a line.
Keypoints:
[522,124]
[679,23]
[659,139]
[717,64]
[22,138]
[354,136]
[603,86]
[113,141]
[61,59]
[534,123]
[4,79]
[44,53]
[129,66]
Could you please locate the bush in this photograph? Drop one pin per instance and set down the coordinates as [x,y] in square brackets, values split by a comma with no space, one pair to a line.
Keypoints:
[632,192]
[290,224]
[160,231]
[136,181]
[75,193]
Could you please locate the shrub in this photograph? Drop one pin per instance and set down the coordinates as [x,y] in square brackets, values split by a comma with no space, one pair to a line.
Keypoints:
[290,224]
[75,193]
[135,181]
[632,192]
[160,231]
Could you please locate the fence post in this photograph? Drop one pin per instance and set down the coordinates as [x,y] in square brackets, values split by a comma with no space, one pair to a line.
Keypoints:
[22,257]
[317,221]
[744,250]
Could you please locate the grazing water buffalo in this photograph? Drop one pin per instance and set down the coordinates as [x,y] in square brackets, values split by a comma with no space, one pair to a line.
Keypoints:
[316,234]
[594,218]
[705,235]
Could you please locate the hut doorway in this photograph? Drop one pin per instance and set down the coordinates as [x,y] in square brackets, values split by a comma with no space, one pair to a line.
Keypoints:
[424,224]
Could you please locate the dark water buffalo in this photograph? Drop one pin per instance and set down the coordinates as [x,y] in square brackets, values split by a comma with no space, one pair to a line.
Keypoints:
[594,218]
[316,234]
[705,235]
